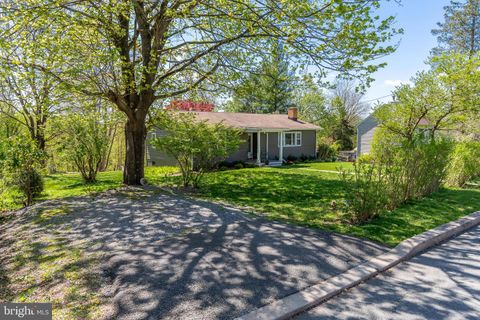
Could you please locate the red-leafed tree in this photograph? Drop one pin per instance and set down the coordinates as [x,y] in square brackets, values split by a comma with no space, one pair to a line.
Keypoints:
[185,105]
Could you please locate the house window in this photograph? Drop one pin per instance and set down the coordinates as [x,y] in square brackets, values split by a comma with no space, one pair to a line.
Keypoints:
[291,139]
[153,135]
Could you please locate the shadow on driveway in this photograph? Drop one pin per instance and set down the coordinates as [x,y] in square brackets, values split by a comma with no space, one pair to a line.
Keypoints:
[172,258]
[441,283]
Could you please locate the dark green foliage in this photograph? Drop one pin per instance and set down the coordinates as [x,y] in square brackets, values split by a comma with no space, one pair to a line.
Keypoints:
[30,183]
[343,133]
[291,158]
[326,152]
[238,166]
[460,30]
[267,90]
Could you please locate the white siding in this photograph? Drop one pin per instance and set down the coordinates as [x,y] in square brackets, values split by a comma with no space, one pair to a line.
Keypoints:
[365,132]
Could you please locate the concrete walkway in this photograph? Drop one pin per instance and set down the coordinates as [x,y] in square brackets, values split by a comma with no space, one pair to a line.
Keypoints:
[442,283]
[170,258]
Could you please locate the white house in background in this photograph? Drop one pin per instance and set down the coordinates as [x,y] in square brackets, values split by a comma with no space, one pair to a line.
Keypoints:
[365,132]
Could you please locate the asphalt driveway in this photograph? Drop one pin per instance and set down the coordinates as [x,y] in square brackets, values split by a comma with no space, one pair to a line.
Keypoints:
[166,257]
[442,283]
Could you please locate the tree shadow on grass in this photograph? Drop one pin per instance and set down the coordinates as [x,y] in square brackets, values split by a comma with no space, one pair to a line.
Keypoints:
[302,197]
[420,215]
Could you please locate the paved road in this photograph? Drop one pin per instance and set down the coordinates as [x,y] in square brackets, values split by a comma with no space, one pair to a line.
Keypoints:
[442,283]
[169,258]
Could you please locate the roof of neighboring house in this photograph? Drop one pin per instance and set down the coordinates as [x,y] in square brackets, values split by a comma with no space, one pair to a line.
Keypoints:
[371,121]
[256,121]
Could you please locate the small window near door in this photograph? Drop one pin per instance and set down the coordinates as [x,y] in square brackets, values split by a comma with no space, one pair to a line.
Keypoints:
[291,139]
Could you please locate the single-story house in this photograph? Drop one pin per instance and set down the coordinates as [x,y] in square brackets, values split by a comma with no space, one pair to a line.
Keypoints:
[271,137]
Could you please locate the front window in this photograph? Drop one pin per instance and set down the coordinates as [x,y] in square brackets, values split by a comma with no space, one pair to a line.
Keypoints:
[291,139]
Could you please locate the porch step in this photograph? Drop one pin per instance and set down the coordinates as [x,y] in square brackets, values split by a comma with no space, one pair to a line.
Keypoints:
[275,163]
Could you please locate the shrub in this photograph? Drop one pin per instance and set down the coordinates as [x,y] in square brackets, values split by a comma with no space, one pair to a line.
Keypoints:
[326,152]
[303,157]
[30,183]
[416,169]
[395,173]
[464,163]
[291,158]
[365,195]
[238,165]
[19,159]
[196,145]
[225,164]
[85,143]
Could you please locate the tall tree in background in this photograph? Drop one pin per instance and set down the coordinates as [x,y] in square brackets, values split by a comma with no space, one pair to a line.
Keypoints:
[135,52]
[311,101]
[345,112]
[267,90]
[460,32]
[28,95]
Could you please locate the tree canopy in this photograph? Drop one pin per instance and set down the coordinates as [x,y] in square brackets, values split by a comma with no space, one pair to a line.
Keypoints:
[460,30]
[444,98]
[135,52]
[269,89]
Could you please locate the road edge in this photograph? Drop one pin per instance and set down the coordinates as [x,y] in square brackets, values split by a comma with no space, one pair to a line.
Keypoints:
[309,297]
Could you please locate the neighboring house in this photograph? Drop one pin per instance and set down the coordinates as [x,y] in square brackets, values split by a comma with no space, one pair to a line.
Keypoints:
[267,137]
[365,132]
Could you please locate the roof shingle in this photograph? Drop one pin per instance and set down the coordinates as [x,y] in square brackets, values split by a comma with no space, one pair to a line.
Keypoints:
[256,121]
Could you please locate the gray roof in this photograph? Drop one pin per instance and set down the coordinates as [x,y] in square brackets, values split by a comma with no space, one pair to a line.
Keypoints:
[256,121]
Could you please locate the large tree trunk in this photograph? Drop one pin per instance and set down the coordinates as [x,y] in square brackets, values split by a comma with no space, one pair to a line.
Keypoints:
[40,141]
[135,134]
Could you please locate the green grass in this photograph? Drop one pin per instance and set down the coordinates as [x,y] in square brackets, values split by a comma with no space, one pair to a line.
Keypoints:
[71,184]
[308,198]
[330,166]
[297,194]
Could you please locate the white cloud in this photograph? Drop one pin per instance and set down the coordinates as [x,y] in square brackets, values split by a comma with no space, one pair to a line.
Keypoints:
[395,83]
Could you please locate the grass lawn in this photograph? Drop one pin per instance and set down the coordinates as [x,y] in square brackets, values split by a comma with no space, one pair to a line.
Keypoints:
[63,185]
[330,166]
[304,197]
[299,194]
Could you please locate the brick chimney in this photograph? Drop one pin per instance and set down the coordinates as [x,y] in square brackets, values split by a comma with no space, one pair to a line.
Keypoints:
[293,113]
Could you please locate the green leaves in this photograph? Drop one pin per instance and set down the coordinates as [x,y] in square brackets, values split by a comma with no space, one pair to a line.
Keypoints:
[196,145]
[84,142]
[444,97]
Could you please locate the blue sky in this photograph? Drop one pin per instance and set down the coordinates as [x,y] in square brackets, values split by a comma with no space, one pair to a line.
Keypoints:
[417,18]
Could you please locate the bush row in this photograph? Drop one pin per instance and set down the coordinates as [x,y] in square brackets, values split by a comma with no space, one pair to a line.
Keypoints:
[394,175]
